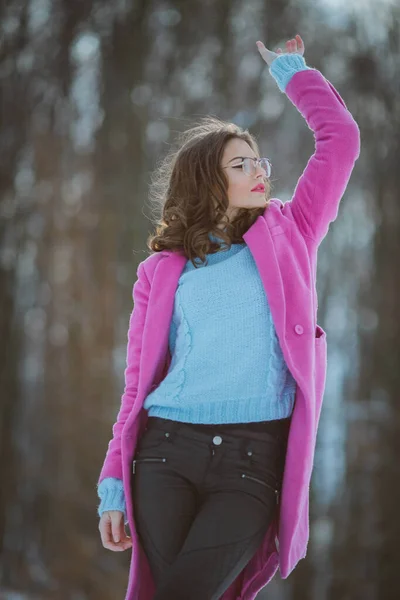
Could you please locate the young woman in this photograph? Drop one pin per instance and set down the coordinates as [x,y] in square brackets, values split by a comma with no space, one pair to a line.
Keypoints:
[212,452]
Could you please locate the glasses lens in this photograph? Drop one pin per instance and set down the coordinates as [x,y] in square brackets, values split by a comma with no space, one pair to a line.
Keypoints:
[249,166]
[266,165]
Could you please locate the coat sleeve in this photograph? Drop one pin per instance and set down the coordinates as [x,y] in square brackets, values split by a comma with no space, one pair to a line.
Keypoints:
[112,466]
[315,201]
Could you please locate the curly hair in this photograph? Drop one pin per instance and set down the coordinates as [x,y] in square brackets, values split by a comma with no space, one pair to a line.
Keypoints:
[189,189]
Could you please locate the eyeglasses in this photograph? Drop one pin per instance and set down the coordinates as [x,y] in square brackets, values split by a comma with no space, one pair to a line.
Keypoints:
[249,165]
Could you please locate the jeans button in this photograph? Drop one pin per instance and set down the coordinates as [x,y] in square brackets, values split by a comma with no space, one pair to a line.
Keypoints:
[217,440]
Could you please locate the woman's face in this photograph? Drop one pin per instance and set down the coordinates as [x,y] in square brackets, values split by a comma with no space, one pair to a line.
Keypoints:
[241,184]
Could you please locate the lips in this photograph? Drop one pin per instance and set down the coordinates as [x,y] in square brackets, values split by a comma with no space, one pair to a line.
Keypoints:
[258,188]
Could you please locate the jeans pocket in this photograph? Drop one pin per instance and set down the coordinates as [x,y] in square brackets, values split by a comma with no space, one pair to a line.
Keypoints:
[152,439]
[261,466]
[258,481]
[147,459]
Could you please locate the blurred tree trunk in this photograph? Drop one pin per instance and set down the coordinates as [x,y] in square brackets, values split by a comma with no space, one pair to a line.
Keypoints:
[14,117]
[368,528]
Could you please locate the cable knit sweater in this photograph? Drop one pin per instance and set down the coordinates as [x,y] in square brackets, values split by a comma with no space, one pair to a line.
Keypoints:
[210,378]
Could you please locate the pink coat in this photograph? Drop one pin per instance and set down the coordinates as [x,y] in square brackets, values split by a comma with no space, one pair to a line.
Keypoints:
[284,243]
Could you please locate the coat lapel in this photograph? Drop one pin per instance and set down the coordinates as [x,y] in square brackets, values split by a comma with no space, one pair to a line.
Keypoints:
[155,347]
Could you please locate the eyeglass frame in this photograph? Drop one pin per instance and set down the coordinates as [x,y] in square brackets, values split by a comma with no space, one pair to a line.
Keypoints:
[253,159]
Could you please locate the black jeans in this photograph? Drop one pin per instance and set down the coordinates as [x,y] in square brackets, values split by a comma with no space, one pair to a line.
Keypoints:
[203,499]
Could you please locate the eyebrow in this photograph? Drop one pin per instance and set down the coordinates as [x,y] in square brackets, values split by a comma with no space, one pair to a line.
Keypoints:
[253,157]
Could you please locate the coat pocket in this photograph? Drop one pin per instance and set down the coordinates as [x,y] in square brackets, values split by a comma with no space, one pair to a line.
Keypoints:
[320,334]
[320,372]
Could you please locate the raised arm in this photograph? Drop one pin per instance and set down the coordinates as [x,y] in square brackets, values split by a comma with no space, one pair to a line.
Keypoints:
[315,201]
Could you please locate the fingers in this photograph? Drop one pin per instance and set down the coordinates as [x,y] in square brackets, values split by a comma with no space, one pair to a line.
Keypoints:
[296,44]
[291,45]
[112,531]
[116,526]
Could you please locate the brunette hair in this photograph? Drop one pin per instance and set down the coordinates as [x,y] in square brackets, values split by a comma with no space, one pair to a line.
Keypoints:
[189,189]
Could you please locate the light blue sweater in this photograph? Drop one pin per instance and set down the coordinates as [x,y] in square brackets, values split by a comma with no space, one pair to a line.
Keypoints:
[221,308]
[227,365]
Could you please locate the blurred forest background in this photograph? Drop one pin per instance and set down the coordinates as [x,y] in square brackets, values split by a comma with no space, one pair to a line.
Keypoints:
[92,93]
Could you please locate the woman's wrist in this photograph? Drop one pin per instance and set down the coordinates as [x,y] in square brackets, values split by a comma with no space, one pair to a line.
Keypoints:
[112,496]
[285,66]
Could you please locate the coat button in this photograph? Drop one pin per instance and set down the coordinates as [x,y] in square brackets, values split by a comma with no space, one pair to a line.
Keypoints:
[217,440]
[299,329]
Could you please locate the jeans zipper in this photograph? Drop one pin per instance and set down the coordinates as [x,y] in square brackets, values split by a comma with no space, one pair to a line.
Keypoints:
[146,459]
[244,475]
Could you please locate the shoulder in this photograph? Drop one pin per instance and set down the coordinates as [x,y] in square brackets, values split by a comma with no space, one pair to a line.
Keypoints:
[279,217]
[148,265]
[274,212]
[274,205]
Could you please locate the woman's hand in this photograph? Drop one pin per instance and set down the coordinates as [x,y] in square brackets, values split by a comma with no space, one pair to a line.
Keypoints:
[112,531]
[294,46]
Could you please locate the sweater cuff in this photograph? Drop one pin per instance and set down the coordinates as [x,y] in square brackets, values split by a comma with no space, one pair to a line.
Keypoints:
[111,493]
[285,66]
